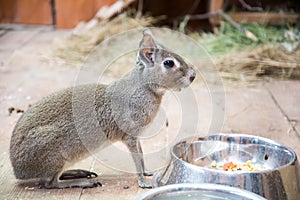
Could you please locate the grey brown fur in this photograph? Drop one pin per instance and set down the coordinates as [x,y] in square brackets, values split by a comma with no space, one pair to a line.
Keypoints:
[70,124]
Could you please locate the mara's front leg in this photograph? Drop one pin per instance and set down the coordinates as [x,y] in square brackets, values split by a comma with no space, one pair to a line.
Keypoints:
[134,147]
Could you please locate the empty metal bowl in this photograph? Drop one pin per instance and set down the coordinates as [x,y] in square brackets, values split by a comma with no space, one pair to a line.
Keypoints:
[198,191]
[277,176]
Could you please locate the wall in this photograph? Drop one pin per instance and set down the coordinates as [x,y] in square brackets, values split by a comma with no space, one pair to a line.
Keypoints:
[39,12]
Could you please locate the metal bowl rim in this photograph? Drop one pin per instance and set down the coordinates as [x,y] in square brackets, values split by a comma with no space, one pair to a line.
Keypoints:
[201,187]
[294,159]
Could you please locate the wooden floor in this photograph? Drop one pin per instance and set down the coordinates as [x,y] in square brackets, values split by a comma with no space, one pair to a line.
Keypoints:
[267,109]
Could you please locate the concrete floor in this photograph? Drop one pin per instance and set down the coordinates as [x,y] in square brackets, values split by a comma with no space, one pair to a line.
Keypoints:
[267,109]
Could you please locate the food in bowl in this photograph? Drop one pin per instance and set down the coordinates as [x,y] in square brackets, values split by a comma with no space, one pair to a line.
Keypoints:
[248,166]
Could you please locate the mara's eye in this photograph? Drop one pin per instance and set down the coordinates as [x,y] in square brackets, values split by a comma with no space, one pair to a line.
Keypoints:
[169,63]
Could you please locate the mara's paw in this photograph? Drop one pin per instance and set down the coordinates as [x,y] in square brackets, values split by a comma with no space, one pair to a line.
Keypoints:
[144,184]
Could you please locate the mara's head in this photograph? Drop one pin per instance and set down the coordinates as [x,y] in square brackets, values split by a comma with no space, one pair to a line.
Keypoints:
[162,69]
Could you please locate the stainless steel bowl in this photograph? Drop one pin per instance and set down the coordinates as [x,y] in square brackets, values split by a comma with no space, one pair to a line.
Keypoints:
[198,191]
[191,163]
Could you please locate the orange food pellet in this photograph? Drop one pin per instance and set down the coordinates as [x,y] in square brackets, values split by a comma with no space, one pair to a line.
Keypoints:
[229,165]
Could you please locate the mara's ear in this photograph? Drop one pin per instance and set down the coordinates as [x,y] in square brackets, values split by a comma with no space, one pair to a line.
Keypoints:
[147,48]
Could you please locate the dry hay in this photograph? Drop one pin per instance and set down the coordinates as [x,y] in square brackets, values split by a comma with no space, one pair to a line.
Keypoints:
[251,64]
[264,61]
[74,50]
[275,53]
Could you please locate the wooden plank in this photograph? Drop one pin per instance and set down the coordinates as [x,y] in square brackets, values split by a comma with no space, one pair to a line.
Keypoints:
[34,12]
[7,11]
[265,18]
[253,111]
[114,187]
[287,94]
[69,12]
[13,40]
[215,5]
[100,3]
[297,127]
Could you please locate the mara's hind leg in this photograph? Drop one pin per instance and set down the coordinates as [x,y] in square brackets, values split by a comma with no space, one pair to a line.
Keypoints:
[77,174]
[56,182]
